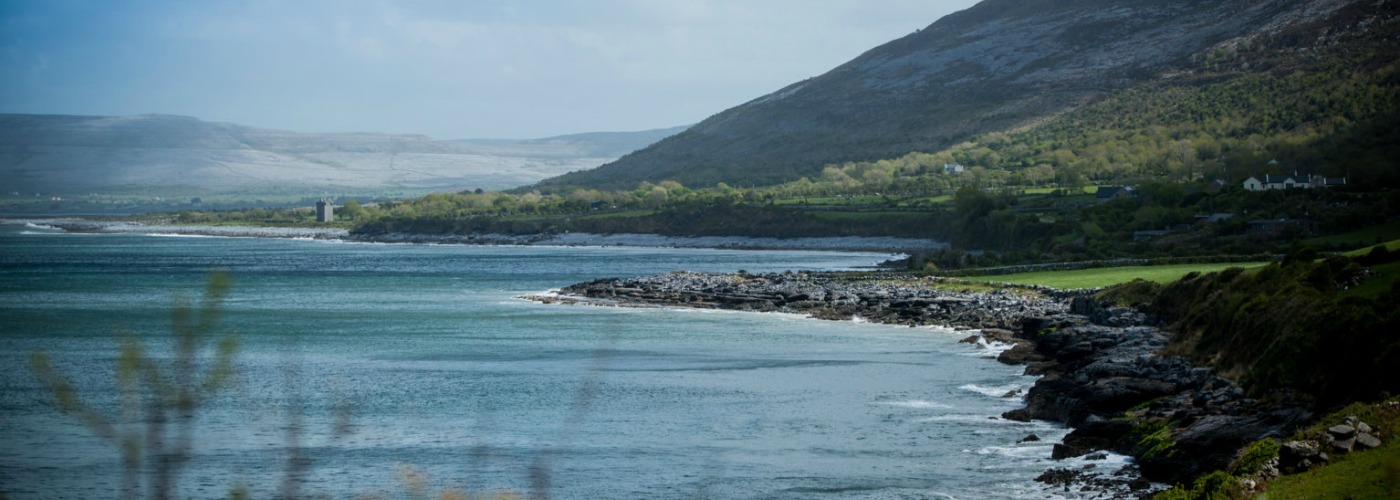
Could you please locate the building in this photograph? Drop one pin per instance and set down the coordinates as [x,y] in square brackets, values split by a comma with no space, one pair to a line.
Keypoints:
[1275,227]
[1294,181]
[952,168]
[1214,218]
[1106,194]
[325,211]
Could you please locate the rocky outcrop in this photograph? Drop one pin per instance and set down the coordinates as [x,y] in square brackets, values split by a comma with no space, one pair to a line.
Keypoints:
[1121,394]
[1345,437]
[828,296]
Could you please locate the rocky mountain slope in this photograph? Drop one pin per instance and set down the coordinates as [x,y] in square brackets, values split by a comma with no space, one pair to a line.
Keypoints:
[82,154]
[999,65]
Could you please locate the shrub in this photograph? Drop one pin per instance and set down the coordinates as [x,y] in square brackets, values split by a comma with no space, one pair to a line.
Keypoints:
[1254,456]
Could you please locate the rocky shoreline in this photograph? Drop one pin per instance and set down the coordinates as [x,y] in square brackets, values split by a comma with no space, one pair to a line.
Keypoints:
[1101,368]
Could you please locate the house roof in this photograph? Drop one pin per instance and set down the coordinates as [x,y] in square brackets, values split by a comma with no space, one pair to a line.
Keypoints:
[1111,191]
[1281,179]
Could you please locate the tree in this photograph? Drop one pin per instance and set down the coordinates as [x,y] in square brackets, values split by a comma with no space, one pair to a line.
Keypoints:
[353,210]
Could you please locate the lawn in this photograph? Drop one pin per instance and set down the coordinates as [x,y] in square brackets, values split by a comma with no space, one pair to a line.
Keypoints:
[1107,276]
[1385,277]
[618,215]
[1359,238]
[854,216]
[1391,245]
[1368,474]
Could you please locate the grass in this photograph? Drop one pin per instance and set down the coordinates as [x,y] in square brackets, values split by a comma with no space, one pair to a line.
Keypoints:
[852,216]
[1359,238]
[1108,276]
[620,215]
[1367,474]
[1376,285]
[1391,245]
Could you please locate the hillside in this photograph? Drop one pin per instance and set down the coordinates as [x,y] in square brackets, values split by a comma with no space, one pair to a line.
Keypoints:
[999,65]
[83,154]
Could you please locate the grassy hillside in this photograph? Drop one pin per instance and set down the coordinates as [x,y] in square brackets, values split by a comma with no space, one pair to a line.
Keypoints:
[1069,92]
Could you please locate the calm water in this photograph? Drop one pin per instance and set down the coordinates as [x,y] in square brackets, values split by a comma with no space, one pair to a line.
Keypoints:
[443,371]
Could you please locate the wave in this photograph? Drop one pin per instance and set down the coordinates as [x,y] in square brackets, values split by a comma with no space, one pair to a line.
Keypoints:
[917,404]
[1036,450]
[995,391]
[980,420]
[176,235]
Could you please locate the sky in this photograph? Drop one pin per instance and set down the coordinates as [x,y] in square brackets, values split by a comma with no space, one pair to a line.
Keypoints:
[449,69]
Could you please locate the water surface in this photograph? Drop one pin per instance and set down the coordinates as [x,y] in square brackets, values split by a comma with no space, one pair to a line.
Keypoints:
[440,369]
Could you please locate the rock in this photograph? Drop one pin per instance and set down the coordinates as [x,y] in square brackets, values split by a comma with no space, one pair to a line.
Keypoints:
[1362,427]
[1344,445]
[1298,456]
[1018,415]
[1096,434]
[1084,306]
[998,335]
[1063,451]
[1012,393]
[971,339]
[1017,354]
[1367,441]
[1029,438]
[1096,456]
[1342,431]
[1298,450]
[1058,476]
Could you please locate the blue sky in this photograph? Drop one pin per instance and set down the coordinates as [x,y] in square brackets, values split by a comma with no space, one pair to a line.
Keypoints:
[448,69]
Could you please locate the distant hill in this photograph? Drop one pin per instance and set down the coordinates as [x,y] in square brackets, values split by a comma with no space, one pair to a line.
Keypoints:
[82,154]
[1000,65]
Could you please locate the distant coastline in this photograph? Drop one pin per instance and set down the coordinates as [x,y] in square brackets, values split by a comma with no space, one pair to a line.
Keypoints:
[838,243]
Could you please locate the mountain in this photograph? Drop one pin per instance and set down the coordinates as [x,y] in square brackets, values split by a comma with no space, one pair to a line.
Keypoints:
[999,65]
[82,154]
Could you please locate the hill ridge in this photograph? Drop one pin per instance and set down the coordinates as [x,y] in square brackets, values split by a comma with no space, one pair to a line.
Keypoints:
[995,66]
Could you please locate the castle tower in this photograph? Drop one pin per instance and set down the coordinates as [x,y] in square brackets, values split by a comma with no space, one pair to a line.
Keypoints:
[325,211]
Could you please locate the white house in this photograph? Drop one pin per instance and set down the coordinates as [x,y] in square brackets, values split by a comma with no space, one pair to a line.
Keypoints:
[1294,181]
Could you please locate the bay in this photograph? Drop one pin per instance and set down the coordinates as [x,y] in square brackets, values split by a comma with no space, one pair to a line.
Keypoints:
[390,366]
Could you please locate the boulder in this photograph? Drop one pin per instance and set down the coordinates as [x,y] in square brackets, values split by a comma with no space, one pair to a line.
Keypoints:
[1366,441]
[1063,451]
[1342,431]
[1017,415]
[1017,354]
[1029,438]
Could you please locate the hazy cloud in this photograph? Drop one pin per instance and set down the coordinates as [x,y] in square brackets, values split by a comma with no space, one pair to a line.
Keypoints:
[445,68]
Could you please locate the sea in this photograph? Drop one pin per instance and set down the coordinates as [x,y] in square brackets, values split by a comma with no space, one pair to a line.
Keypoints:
[414,371]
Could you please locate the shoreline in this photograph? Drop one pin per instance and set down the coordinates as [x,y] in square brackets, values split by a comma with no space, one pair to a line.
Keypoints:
[890,245]
[1101,368]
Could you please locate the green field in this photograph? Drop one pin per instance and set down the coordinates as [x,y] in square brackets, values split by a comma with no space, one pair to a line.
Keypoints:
[620,215]
[854,216]
[1106,276]
[1391,245]
[1359,238]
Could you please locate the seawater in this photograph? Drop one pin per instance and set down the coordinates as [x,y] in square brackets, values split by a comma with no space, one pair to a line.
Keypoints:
[390,366]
